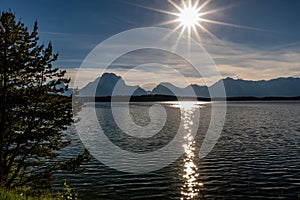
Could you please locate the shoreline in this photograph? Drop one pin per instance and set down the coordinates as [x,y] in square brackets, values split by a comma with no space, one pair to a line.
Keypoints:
[155,98]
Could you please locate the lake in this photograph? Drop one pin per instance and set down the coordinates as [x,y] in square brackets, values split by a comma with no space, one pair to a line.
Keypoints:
[256,157]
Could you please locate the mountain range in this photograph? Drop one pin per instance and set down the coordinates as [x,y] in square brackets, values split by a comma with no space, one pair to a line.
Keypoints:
[103,86]
[280,87]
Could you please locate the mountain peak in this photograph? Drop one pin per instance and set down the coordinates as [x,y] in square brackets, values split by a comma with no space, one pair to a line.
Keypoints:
[105,85]
[109,81]
[107,75]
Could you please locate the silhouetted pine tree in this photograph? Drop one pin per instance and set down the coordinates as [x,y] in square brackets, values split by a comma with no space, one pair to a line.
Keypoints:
[33,113]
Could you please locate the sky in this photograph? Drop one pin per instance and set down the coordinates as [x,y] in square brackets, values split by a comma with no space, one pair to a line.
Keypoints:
[262,43]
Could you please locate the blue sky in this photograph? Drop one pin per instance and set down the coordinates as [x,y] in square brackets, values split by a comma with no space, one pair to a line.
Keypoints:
[269,50]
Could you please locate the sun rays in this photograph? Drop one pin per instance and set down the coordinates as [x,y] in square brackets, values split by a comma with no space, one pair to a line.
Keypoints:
[191,18]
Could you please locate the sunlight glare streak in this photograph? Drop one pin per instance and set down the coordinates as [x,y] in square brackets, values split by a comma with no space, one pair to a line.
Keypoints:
[178,38]
[211,34]
[154,9]
[214,10]
[204,4]
[174,5]
[229,24]
[191,186]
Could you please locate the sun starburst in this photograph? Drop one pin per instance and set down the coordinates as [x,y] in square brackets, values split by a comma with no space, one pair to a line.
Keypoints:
[191,17]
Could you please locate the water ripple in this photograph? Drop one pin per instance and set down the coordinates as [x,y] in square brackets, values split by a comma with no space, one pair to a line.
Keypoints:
[257,157]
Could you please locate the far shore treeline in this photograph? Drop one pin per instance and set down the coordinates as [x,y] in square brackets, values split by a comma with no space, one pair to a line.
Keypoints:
[157,98]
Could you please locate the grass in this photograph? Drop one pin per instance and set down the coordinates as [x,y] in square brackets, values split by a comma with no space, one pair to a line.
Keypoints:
[6,194]
[67,194]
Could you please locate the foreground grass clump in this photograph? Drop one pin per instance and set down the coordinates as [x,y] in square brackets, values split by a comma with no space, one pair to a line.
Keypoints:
[67,193]
[6,194]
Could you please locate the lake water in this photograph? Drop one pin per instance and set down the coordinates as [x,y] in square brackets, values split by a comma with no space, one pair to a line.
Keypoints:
[256,157]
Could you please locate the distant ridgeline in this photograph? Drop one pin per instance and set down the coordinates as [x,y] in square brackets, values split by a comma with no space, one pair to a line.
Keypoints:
[102,89]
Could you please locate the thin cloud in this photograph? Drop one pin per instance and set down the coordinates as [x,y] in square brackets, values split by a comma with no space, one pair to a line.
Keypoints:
[233,60]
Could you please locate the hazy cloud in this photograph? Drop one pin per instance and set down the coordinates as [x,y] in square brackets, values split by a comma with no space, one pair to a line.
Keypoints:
[232,59]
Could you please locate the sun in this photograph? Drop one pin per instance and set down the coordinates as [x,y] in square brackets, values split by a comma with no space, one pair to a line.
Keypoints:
[189,17]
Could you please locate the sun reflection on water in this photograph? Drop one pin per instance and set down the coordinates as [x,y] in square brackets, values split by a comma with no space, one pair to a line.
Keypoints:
[191,185]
